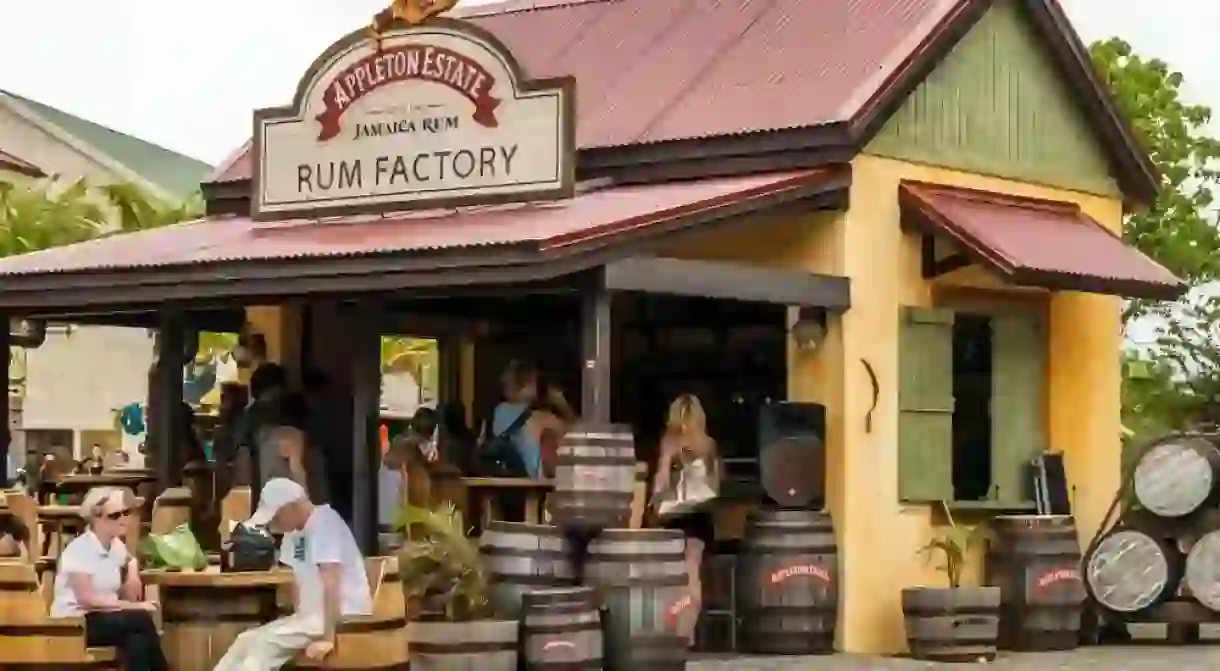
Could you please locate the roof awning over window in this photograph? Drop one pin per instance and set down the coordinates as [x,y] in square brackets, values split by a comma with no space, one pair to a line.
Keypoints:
[1032,242]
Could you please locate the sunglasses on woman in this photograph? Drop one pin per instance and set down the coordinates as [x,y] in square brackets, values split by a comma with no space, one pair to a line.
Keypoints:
[118,514]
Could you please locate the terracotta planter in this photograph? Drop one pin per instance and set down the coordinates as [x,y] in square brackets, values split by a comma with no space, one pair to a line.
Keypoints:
[440,645]
[952,625]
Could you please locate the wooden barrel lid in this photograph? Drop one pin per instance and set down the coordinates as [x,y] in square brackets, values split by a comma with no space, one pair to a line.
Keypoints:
[1174,478]
[793,470]
[1203,570]
[1127,571]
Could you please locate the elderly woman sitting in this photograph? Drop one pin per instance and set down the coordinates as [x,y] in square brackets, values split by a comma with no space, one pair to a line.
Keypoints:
[98,578]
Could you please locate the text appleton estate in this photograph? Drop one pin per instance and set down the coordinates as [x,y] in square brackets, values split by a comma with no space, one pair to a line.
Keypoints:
[477,165]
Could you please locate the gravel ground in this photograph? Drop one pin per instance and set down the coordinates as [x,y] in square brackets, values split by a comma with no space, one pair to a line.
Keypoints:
[1139,658]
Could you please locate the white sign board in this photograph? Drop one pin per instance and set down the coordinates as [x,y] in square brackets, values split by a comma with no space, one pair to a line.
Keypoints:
[436,115]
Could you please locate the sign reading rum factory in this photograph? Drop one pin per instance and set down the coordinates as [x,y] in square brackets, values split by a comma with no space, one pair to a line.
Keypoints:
[432,115]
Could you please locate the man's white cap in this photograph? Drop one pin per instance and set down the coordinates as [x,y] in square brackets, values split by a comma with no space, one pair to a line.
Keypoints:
[277,493]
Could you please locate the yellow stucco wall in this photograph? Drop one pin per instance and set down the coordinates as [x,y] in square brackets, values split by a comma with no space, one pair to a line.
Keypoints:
[879,538]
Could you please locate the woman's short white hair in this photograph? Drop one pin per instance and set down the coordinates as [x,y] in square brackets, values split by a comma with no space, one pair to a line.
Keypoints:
[95,501]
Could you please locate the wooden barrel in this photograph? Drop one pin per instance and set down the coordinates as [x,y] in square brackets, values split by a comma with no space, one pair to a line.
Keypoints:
[1129,571]
[373,642]
[485,645]
[594,478]
[952,625]
[1203,570]
[561,629]
[524,557]
[788,583]
[1035,561]
[1178,476]
[640,576]
[200,623]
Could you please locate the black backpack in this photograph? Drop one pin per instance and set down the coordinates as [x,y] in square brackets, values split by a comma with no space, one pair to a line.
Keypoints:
[497,456]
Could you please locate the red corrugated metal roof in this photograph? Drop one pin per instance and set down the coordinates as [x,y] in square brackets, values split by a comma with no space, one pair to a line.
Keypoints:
[17,164]
[543,226]
[1037,242]
[655,70]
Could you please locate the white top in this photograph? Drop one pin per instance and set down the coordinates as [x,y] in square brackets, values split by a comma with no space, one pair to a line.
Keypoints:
[85,554]
[327,540]
[390,488]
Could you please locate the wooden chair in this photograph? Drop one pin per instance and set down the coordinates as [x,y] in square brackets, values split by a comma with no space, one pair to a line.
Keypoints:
[31,639]
[234,507]
[24,508]
[171,510]
[376,641]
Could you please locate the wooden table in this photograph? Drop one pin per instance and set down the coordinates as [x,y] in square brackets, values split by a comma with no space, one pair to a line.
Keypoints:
[203,612]
[484,492]
[78,484]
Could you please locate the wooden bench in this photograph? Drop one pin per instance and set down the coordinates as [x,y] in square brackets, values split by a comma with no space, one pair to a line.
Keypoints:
[32,640]
[377,641]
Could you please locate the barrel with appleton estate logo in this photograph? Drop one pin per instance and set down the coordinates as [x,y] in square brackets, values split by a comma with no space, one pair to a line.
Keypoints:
[1035,561]
[594,478]
[561,629]
[640,577]
[788,583]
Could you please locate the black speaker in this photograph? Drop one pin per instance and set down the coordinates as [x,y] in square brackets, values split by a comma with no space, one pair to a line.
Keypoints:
[792,454]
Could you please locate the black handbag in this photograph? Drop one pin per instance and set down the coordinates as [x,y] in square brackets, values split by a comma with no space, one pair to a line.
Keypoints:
[251,549]
[498,457]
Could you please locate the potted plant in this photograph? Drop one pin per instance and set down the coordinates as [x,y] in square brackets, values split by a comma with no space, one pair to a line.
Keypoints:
[955,623]
[443,576]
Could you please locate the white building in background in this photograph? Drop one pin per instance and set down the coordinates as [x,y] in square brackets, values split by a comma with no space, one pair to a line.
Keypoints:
[73,382]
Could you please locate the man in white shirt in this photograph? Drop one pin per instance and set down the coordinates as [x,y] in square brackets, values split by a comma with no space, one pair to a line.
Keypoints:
[330,581]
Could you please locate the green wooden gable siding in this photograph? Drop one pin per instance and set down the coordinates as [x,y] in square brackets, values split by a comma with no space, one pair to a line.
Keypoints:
[998,105]
[1018,402]
[925,405]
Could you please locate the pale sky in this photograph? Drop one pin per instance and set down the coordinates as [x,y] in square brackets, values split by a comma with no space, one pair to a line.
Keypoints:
[187,75]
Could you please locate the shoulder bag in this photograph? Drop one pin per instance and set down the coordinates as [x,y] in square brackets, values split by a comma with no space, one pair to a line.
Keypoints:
[696,486]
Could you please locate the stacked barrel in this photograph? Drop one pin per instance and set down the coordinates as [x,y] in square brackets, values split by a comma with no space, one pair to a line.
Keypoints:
[787,573]
[1165,544]
[590,592]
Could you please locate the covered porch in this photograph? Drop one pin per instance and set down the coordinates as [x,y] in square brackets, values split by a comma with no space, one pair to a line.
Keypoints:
[322,291]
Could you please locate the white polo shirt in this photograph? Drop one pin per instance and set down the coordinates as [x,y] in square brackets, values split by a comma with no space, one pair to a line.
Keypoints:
[85,554]
[326,539]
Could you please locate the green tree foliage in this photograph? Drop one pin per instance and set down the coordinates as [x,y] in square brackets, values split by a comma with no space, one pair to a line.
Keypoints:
[1178,230]
[1169,384]
[46,215]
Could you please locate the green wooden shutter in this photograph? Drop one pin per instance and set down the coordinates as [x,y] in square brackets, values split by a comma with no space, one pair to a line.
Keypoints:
[1018,403]
[925,405]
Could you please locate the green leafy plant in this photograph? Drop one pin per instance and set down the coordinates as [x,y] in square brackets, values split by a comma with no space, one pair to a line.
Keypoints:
[954,541]
[443,561]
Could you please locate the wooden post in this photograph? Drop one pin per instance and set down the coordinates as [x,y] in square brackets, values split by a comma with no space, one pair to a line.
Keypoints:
[344,343]
[6,436]
[595,355]
[164,437]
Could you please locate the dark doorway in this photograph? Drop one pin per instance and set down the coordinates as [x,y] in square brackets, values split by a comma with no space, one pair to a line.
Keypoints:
[972,407]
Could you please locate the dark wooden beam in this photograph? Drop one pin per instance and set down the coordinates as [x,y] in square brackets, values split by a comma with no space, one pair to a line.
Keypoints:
[6,437]
[933,266]
[732,281]
[595,355]
[164,437]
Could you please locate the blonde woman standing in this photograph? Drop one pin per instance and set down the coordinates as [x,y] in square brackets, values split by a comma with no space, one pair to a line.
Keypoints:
[99,579]
[686,444]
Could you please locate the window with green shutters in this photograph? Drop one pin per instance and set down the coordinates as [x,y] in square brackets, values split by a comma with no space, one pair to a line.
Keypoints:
[1018,403]
[925,405]
[1017,406]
